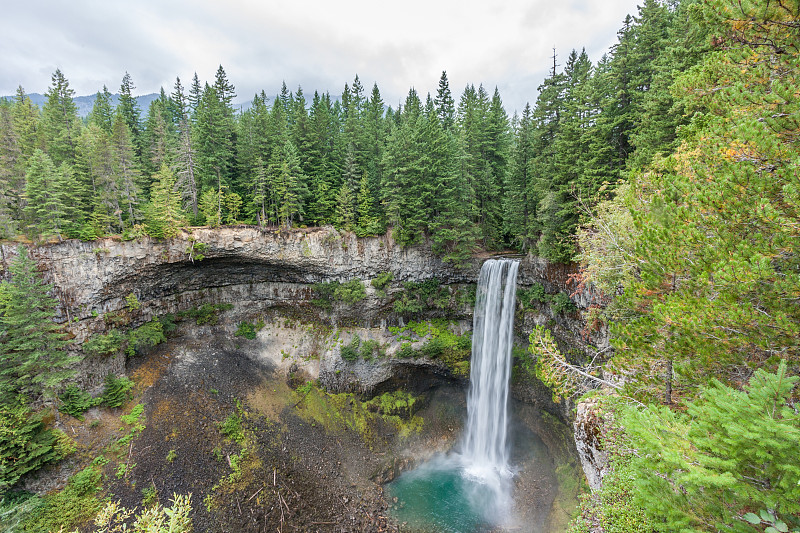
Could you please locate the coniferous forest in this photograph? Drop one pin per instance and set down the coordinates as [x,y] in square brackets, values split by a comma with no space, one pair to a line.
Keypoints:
[453,168]
[668,169]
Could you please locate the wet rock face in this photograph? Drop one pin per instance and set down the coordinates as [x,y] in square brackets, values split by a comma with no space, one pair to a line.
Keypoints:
[588,424]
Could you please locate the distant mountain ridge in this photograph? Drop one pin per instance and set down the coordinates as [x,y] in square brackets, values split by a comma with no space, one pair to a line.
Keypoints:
[85,103]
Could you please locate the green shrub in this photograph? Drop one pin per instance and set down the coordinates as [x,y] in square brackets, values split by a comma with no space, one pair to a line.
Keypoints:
[369,349]
[561,303]
[324,294]
[351,292]
[232,429]
[145,336]
[732,452]
[248,330]
[117,391]
[132,302]
[433,348]
[71,507]
[467,295]
[206,313]
[168,323]
[75,402]
[381,282]
[350,352]
[533,294]
[104,344]
[420,295]
[407,352]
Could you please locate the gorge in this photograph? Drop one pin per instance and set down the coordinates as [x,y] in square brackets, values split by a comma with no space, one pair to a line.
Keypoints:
[279,280]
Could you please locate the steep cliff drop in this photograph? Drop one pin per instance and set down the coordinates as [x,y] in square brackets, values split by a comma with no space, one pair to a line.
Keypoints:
[471,491]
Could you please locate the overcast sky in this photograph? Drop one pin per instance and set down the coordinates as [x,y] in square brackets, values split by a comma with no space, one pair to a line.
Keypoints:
[318,44]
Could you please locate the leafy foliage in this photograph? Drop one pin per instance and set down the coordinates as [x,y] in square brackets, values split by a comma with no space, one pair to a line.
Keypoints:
[145,336]
[350,293]
[173,519]
[69,508]
[420,295]
[350,352]
[248,330]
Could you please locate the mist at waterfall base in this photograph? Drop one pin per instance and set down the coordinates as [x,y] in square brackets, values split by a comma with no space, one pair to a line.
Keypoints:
[470,490]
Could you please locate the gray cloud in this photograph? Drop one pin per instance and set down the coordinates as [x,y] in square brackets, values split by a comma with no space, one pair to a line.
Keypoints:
[318,44]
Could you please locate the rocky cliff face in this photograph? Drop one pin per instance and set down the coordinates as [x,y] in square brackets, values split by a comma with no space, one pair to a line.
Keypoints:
[257,269]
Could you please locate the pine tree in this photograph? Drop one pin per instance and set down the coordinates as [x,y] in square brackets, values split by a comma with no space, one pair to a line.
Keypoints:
[12,176]
[345,208]
[60,125]
[375,134]
[452,231]
[211,206]
[445,105]
[97,171]
[184,156]
[126,171]
[261,194]
[33,361]
[289,184]
[212,141]
[368,222]
[520,199]
[128,110]
[735,453]
[102,114]
[25,119]
[195,93]
[163,215]
[45,207]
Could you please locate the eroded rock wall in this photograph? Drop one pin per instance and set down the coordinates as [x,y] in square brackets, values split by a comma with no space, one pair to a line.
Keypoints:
[258,269]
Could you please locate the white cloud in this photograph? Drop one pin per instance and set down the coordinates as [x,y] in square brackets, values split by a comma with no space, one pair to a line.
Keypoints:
[318,44]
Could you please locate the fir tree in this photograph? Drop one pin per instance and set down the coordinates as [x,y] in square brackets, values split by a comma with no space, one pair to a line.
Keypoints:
[128,110]
[102,114]
[445,105]
[33,361]
[60,125]
[163,215]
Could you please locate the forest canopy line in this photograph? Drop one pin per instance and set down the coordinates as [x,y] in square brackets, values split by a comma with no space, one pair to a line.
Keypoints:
[461,173]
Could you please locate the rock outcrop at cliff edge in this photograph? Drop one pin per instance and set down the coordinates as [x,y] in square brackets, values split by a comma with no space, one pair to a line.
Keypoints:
[589,424]
[93,278]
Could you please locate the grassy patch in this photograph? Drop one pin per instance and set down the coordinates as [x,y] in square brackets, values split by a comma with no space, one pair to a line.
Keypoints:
[342,412]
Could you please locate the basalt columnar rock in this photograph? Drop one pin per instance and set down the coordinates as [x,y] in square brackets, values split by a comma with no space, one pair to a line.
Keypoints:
[258,269]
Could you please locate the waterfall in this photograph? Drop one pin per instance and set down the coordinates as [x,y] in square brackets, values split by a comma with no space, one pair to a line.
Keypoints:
[485,449]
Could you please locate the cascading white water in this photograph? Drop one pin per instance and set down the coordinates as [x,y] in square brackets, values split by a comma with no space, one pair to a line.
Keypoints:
[471,491]
[485,447]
